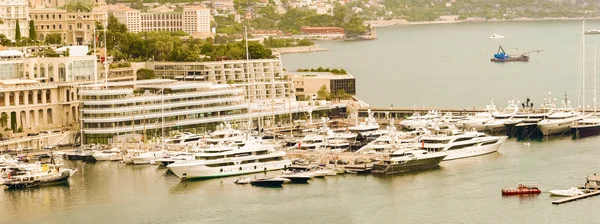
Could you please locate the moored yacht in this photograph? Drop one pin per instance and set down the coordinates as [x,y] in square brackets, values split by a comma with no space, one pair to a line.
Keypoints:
[112,154]
[479,119]
[497,124]
[408,160]
[420,121]
[560,121]
[228,161]
[462,144]
[147,157]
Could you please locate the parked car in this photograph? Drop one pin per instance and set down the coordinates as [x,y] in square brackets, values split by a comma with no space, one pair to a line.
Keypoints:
[45,132]
[33,134]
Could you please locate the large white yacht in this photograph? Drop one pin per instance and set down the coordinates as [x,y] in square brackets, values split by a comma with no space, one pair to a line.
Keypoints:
[561,120]
[368,128]
[462,144]
[497,124]
[147,157]
[113,154]
[479,119]
[408,160]
[220,161]
[392,141]
[185,138]
[225,134]
[420,121]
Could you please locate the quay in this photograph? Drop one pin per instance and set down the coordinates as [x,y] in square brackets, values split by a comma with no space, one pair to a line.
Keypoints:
[402,112]
[574,198]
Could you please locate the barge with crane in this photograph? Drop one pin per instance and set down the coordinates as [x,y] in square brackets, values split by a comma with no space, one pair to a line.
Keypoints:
[502,56]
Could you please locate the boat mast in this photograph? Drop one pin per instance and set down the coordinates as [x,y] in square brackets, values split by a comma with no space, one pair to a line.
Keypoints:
[595,71]
[248,83]
[583,66]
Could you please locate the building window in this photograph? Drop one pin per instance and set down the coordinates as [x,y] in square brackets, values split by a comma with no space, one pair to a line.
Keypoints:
[59,26]
[88,26]
[70,27]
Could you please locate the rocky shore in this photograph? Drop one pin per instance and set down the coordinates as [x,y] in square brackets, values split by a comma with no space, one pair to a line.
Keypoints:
[400,22]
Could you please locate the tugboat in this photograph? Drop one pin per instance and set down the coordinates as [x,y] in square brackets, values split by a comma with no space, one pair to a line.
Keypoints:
[502,56]
[523,188]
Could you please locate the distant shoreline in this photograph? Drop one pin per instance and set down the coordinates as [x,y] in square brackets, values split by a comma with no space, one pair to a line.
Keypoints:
[299,49]
[402,22]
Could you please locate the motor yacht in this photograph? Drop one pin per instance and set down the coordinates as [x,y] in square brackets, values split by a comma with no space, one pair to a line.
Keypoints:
[221,161]
[42,174]
[420,121]
[113,154]
[479,120]
[147,157]
[497,124]
[496,36]
[459,144]
[408,160]
[561,120]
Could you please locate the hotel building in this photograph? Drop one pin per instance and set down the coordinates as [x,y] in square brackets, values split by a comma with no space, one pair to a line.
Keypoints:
[307,84]
[193,20]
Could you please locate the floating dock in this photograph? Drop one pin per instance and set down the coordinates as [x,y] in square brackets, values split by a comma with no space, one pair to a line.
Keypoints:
[574,198]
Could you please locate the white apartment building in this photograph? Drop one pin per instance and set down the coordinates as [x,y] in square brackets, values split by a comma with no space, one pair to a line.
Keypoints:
[128,16]
[263,79]
[193,19]
[196,20]
[12,11]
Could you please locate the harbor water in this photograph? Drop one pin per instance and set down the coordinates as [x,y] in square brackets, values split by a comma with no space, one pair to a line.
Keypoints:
[449,65]
[461,191]
[445,66]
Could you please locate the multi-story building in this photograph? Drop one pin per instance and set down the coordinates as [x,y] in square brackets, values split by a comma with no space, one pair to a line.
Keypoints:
[263,79]
[128,16]
[196,20]
[307,84]
[75,24]
[149,107]
[12,12]
[39,93]
[161,20]
[193,20]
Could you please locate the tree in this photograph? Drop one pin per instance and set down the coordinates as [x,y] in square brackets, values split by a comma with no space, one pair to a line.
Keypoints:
[17,32]
[32,33]
[323,94]
[4,119]
[53,38]
[143,74]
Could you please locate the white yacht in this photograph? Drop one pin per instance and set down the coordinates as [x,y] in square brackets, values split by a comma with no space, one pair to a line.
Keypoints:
[366,128]
[497,124]
[225,134]
[462,144]
[173,158]
[479,119]
[393,141]
[420,121]
[113,154]
[561,120]
[408,160]
[185,138]
[147,157]
[228,161]
[496,36]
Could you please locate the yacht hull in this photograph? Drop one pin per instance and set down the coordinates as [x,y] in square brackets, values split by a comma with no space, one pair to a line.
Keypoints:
[201,171]
[554,128]
[477,150]
[19,184]
[479,126]
[413,165]
[585,131]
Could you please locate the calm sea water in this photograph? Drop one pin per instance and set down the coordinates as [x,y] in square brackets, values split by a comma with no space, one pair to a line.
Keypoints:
[449,65]
[399,64]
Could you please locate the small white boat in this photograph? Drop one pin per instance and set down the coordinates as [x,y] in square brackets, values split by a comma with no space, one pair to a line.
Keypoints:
[243,180]
[567,193]
[496,36]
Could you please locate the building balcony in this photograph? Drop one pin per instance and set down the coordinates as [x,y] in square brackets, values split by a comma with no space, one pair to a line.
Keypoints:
[167,105]
[166,97]
[110,119]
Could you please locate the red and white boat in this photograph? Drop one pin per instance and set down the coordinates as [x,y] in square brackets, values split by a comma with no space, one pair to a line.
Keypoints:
[523,188]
